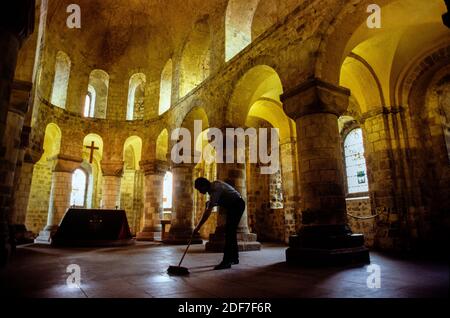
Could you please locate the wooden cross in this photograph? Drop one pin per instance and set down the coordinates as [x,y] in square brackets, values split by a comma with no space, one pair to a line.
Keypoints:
[92,148]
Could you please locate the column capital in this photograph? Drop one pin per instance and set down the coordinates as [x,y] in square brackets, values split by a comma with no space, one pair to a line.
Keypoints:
[382,110]
[32,156]
[20,97]
[446,16]
[288,140]
[112,168]
[65,163]
[18,17]
[315,96]
[150,167]
[183,165]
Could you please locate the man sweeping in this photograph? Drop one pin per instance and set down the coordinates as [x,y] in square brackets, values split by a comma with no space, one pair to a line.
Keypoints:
[223,195]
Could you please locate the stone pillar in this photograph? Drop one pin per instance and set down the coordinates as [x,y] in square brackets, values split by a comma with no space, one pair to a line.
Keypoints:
[446,16]
[112,177]
[325,237]
[21,193]
[182,223]
[154,172]
[16,24]
[60,193]
[235,175]
[291,197]
[13,148]
[77,88]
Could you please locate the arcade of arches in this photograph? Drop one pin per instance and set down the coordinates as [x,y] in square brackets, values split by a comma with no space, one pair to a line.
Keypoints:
[363,116]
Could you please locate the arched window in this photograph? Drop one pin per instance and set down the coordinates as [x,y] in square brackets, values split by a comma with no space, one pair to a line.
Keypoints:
[136,95]
[79,186]
[238,26]
[444,105]
[87,105]
[355,163]
[165,93]
[98,89]
[61,80]
[167,192]
[196,57]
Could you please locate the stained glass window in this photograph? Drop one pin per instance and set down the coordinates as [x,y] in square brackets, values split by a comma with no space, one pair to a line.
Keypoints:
[79,182]
[87,106]
[167,192]
[355,163]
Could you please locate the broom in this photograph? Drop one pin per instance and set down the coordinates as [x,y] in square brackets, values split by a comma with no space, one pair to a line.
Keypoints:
[179,270]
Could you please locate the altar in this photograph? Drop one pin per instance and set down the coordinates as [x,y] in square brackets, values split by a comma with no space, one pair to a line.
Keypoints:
[93,227]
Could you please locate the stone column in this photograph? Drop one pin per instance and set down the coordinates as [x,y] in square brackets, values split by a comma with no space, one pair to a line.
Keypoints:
[325,236]
[60,193]
[16,24]
[291,197]
[21,192]
[154,172]
[77,88]
[235,175]
[13,148]
[446,16]
[182,223]
[112,177]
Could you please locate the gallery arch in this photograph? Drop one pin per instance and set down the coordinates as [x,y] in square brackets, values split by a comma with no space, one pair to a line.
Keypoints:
[131,188]
[196,57]
[61,80]
[38,202]
[98,91]
[165,93]
[136,97]
[78,195]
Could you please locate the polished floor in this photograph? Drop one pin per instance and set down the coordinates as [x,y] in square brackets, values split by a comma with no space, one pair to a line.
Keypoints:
[140,271]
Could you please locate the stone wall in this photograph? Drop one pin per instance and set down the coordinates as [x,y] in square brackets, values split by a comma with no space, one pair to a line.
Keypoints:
[361,209]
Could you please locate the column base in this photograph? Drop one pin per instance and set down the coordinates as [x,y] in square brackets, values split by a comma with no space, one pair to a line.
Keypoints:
[5,253]
[181,237]
[149,236]
[322,245]
[246,242]
[46,235]
[20,234]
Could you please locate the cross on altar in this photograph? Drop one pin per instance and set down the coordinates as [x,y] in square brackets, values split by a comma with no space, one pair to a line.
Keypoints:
[92,148]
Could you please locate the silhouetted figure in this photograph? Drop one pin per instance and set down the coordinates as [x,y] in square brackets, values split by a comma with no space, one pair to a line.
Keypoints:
[224,195]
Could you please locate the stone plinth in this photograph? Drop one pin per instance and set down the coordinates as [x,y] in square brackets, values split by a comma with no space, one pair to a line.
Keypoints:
[327,245]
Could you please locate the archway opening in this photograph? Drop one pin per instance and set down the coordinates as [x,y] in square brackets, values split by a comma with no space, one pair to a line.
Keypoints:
[79,189]
[61,80]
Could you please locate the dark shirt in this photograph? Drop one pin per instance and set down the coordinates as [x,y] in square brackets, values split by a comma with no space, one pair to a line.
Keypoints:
[222,194]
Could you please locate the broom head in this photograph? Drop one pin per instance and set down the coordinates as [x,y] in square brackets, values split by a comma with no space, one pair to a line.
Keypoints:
[177,270]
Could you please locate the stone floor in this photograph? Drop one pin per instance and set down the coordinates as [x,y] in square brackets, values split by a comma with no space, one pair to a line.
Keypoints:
[140,271]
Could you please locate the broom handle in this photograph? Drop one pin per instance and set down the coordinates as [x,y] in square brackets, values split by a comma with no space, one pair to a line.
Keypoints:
[189,244]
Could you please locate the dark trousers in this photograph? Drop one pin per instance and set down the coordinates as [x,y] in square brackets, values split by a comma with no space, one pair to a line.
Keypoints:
[234,215]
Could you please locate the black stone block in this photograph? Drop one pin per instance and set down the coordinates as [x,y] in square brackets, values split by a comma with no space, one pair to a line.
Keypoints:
[333,244]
